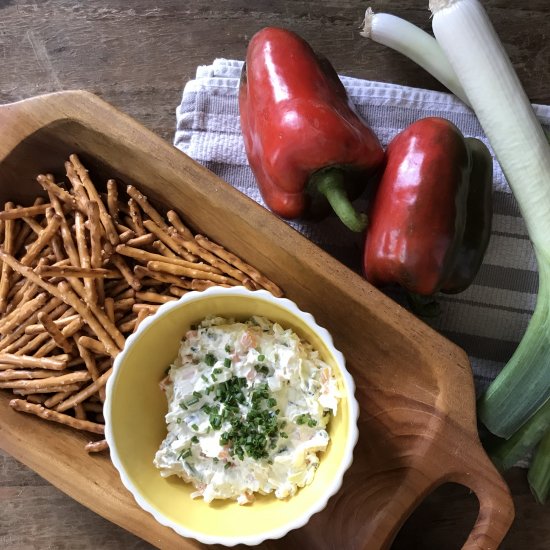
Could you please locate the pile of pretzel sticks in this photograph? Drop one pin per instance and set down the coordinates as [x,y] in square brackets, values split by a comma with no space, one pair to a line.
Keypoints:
[80,271]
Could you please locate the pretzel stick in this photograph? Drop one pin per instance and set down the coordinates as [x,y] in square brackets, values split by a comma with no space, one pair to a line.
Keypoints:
[197,284]
[191,273]
[52,188]
[154,297]
[142,314]
[8,248]
[20,212]
[162,249]
[90,406]
[54,363]
[143,272]
[253,273]
[47,414]
[136,217]
[109,307]
[31,345]
[106,220]
[130,324]
[146,307]
[61,322]
[85,392]
[127,235]
[125,304]
[20,314]
[146,206]
[44,383]
[167,239]
[33,224]
[64,293]
[207,256]
[55,399]
[79,412]
[74,271]
[48,389]
[91,344]
[144,256]
[84,254]
[125,271]
[112,199]
[177,291]
[37,398]
[67,332]
[56,242]
[12,374]
[88,313]
[55,333]
[23,238]
[44,238]
[91,365]
[54,305]
[96,446]
[66,236]
[179,226]
[95,244]
[144,240]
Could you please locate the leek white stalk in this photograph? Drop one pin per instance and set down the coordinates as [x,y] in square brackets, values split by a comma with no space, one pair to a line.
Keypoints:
[416,44]
[477,57]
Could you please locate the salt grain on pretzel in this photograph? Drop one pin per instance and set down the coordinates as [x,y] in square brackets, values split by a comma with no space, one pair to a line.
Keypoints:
[47,414]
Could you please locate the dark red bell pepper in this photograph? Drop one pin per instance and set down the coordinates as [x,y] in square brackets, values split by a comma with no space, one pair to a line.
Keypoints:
[430,220]
[304,140]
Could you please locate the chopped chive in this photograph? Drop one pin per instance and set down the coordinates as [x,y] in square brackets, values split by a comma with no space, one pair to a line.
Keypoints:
[227,363]
[178,420]
[261,358]
[284,435]
[214,377]
[192,401]
[210,359]
[272,402]
[227,465]
[217,370]
[195,427]
[194,439]
[227,348]
[185,453]
[216,459]
[183,405]
[197,394]
[204,378]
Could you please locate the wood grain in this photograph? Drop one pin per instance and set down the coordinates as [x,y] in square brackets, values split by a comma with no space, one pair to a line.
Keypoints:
[138,57]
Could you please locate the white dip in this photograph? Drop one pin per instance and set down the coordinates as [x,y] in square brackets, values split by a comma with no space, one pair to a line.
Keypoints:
[248,407]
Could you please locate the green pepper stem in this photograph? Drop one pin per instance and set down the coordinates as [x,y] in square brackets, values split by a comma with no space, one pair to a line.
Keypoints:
[330,183]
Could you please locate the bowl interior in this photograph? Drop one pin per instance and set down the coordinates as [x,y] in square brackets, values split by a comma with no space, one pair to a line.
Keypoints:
[137,407]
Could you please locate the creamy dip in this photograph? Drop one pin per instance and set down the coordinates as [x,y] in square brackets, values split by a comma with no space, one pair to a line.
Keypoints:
[248,407]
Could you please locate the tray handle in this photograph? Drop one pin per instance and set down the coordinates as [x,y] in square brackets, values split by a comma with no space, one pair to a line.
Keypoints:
[496,507]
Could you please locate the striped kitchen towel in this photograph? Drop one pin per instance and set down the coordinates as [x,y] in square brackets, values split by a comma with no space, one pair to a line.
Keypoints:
[489,318]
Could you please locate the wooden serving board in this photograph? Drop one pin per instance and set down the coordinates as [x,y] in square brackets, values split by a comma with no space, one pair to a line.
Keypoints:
[415,388]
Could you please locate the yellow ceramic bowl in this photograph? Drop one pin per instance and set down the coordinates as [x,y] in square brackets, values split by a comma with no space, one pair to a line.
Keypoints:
[135,409]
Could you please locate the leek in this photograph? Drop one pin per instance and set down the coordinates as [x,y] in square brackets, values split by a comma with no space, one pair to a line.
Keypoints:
[464,31]
[411,41]
[539,472]
[508,452]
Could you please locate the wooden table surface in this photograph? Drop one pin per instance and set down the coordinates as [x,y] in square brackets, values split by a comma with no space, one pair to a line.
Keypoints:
[138,56]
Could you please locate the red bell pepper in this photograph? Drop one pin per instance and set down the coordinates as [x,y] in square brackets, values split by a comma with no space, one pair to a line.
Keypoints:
[430,220]
[304,141]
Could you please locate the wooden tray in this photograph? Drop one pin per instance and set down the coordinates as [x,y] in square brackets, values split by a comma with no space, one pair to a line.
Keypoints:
[415,388]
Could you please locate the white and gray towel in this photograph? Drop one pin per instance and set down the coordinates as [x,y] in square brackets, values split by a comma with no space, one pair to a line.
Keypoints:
[490,317]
